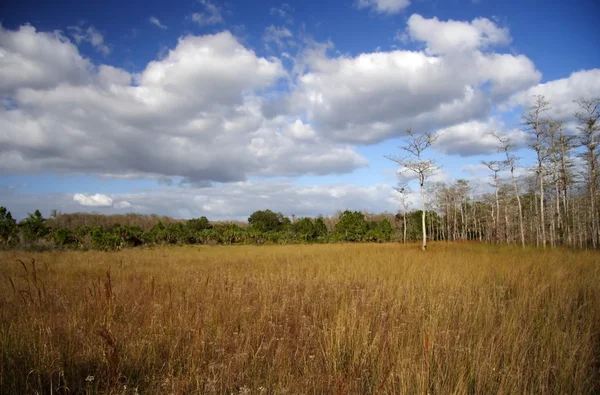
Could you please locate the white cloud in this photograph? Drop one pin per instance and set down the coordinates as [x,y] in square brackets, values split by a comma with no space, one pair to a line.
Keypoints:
[374,96]
[210,16]
[89,35]
[561,93]
[38,60]
[97,200]
[505,73]
[194,114]
[384,6]
[122,204]
[443,37]
[474,138]
[156,22]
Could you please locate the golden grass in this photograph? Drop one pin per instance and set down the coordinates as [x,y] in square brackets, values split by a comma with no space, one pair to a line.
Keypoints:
[341,319]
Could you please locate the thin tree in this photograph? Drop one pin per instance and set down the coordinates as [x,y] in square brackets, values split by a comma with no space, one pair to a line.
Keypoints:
[589,138]
[566,143]
[404,190]
[496,167]
[422,168]
[536,126]
[505,145]
[462,189]
[555,133]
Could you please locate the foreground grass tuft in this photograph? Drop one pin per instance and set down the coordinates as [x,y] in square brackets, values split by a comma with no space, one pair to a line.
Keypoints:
[459,319]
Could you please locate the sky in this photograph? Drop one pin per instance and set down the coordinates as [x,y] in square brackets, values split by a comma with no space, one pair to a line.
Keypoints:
[220,108]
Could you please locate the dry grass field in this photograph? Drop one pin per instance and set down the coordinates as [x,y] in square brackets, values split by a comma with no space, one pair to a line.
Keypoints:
[322,319]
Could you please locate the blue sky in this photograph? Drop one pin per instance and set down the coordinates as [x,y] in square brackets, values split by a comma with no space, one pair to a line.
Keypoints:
[220,108]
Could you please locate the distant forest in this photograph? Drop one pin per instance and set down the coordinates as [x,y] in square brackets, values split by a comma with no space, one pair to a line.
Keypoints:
[111,232]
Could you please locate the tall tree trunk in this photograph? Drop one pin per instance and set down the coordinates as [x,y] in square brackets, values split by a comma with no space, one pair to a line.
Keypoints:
[497,222]
[404,229]
[424,246]
[559,218]
[507,225]
[521,228]
[565,186]
[465,219]
[455,223]
[542,221]
[593,213]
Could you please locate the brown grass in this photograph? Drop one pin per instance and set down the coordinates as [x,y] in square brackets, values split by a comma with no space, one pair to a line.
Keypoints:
[333,319]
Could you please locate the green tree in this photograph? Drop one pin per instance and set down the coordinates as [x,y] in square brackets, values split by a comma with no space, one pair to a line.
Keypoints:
[198,224]
[268,221]
[351,226]
[34,227]
[8,227]
[130,236]
[64,237]
[320,227]
[176,233]
[305,229]
[156,235]
[380,231]
[105,240]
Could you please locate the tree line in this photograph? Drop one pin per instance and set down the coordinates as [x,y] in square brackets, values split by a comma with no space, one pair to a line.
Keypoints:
[264,227]
[556,204]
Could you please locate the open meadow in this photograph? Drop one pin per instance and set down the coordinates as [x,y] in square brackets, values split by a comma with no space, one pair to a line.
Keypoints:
[307,319]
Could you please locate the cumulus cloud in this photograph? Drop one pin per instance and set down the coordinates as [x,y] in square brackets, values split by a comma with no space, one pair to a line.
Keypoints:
[474,138]
[384,6]
[39,60]
[374,96]
[193,114]
[89,35]
[561,93]
[97,200]
[156,22]
[443,37]
[210,16]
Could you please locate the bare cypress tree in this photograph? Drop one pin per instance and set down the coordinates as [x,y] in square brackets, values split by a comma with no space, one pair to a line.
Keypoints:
[589,138]
[506,146]
[554,131]
[462,189]
[566,145]
[423,168]
[536,125]
[404,190]
[496,166]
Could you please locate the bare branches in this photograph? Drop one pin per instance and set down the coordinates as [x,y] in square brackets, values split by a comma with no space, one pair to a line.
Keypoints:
[495,165]
[589,138]
[505,145]
[416,145]
[403,188]
[534,116]
[423,168]
[589,121]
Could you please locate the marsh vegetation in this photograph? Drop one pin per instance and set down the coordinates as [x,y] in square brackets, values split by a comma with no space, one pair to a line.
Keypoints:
[361,318]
